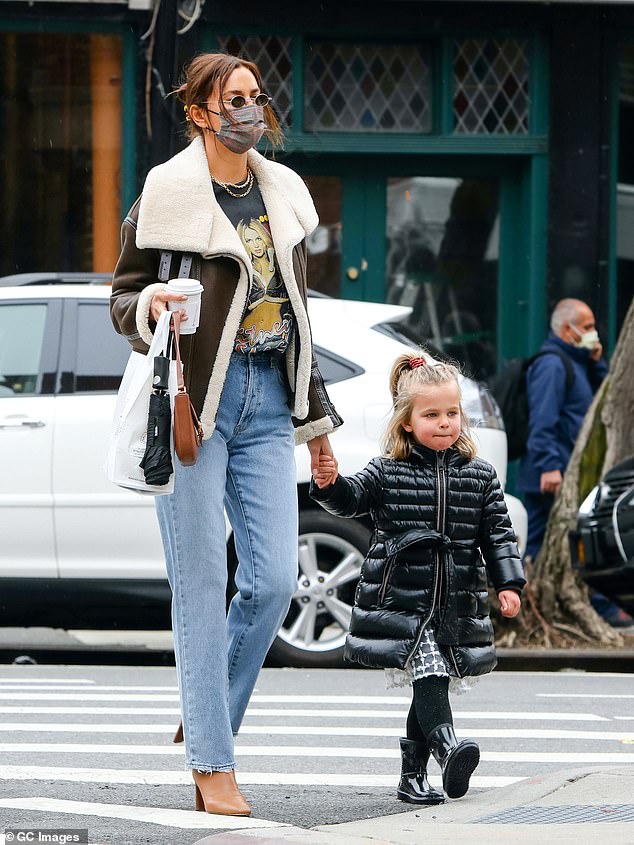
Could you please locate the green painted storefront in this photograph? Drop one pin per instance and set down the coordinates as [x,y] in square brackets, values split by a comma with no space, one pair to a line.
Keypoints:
[434,143]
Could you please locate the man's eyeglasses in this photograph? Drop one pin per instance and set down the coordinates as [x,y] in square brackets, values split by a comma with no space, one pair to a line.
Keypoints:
[239,101]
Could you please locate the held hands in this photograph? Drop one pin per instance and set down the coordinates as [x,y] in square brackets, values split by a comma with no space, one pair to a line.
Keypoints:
[159,301]
[323,465]
[550,482]
[509,603]
[327,471]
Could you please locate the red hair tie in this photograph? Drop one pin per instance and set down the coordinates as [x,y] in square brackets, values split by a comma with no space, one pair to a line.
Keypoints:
[414,363]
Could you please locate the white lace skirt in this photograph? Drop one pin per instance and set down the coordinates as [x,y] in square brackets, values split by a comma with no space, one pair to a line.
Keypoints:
[427,661]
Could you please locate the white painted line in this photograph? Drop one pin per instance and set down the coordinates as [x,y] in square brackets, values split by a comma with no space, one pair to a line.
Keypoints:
[314,730]
[66,682]
[331,699]
[164,778]
[187,819]
[93,711]
[85,696]
[583,695]
[309,713]
[402,714]
[19,687]
[299,751]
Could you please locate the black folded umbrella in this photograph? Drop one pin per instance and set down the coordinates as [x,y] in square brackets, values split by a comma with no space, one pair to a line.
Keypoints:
[157,461]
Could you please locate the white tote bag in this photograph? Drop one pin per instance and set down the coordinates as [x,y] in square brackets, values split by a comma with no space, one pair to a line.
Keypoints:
[129,427]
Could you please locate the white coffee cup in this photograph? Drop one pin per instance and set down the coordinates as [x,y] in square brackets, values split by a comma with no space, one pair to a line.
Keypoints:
[192,290]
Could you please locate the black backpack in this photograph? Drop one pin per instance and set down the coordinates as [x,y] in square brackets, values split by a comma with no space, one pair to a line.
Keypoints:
[509,390]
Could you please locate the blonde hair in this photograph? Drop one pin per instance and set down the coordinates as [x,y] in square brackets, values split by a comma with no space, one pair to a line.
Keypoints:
[406,382]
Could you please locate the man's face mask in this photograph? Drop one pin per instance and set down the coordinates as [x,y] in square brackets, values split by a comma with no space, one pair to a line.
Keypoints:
[246,130]
[587,340]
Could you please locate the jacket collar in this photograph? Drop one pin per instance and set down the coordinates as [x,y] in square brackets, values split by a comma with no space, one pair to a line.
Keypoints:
[433,456]
[179,210]
[577,353]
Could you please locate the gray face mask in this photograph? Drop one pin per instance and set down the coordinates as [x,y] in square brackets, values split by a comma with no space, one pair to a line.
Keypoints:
[245,132]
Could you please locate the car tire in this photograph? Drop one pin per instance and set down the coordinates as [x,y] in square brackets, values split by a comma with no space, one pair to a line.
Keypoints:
[326,543]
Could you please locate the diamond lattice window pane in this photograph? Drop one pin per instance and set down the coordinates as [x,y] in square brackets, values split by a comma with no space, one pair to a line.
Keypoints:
[272,55]
[367,88]
[491,86]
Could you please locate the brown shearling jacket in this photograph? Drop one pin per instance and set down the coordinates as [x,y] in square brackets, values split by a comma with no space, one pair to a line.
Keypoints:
[179,214]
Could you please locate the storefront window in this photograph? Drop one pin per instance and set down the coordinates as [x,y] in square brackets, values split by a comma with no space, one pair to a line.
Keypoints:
[60,148]
[272,55]
[491,86]
[367,87]
[324,244]
[442,261]
[625,187]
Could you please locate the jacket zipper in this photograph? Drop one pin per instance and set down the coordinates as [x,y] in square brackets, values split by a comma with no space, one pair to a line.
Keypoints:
[386,579]
[441,482]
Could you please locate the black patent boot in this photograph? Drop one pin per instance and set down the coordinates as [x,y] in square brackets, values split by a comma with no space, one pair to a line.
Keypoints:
[457,760]
[413,786]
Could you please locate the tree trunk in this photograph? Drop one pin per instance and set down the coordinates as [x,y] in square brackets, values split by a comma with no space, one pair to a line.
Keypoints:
[556,610]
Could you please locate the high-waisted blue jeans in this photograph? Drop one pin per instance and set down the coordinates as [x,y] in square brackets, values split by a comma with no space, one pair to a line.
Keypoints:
[247,467]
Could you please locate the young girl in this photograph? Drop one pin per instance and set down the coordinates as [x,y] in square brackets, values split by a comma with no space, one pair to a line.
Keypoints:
[441,528]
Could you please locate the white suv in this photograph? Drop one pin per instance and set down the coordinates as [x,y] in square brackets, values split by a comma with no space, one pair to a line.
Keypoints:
[78,552]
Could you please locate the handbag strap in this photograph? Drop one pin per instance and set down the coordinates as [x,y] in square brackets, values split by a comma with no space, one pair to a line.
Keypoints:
[176,319]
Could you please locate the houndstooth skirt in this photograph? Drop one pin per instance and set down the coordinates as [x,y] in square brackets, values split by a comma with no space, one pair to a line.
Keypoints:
[427,661]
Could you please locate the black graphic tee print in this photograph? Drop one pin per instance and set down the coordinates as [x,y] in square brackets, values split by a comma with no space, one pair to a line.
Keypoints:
[267,322]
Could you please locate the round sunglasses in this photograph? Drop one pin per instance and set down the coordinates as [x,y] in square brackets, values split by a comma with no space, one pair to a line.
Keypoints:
[239,101]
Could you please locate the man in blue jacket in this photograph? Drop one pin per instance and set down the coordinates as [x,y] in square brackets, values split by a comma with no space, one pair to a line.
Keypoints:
[558,398]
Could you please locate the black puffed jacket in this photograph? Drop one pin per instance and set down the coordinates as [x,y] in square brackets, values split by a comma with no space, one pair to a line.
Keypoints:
[441,529]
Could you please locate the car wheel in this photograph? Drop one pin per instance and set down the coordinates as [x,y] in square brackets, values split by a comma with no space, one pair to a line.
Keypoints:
[331,551]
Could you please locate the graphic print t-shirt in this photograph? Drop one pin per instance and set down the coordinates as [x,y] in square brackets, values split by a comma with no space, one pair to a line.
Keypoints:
[267,322]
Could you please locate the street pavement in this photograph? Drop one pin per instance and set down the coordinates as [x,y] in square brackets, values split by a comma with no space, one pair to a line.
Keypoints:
[86,747]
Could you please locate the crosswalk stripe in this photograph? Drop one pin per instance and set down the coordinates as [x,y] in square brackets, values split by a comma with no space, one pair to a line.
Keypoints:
[86,696]
[298,752]
[17,687]
[331,714]
[315,730]
[65,681]
[166,778]
[187,819]
[583,695]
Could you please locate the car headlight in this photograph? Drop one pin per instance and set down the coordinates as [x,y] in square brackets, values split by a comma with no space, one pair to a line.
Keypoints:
[587,506]
[480,407]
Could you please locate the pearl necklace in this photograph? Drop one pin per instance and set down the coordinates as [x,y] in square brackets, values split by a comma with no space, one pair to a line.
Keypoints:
[248,184]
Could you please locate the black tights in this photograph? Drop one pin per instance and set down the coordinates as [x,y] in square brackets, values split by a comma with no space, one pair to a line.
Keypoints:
[429,708]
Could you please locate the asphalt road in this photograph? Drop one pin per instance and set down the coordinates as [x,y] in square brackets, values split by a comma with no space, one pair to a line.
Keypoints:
[317,747]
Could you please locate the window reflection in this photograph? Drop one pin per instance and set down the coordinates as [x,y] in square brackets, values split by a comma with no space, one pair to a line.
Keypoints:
[442,261]
[324,244]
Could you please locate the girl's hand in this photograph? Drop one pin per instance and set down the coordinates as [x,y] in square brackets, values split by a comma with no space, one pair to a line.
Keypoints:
[159,301]
[326,472]
[509,603]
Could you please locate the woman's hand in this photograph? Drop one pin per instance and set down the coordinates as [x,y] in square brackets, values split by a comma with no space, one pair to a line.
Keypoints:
[318,446]
[159,301]
[327,471]
[510,603]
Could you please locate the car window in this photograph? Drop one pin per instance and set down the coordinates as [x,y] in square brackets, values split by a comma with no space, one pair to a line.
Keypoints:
[101,353]
[333,368]
[22,328]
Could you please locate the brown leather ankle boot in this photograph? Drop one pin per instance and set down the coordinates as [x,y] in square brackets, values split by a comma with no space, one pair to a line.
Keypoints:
[218,792]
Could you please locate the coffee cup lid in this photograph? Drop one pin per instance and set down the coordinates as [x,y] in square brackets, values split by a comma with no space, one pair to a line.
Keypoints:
[186,285]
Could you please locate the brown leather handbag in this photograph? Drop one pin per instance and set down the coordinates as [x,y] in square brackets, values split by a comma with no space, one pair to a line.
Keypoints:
[188,432]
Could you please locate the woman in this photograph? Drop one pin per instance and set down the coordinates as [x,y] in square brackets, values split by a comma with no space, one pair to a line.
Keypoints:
[255,385]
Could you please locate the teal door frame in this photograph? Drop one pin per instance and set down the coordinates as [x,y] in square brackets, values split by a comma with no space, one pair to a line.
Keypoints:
[521,299]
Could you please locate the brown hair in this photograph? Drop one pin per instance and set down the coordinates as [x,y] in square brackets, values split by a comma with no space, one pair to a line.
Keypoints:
[406,382]
[202,74]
